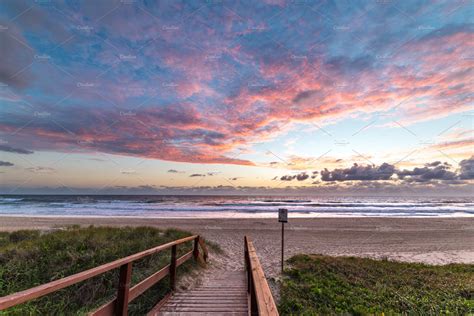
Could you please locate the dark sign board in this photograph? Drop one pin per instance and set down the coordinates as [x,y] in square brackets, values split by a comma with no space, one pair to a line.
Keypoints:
[283,215]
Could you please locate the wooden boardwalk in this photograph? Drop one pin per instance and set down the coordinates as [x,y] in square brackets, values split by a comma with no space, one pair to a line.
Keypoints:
[223,293]
[220,293]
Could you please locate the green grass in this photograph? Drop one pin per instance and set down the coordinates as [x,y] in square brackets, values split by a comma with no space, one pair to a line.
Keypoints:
[30,258]
[322,285]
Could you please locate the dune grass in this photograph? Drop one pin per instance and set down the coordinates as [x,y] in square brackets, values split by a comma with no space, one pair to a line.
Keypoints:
[322,285]
[29,258]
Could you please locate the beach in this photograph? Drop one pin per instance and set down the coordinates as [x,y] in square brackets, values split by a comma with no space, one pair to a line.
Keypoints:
[427,240]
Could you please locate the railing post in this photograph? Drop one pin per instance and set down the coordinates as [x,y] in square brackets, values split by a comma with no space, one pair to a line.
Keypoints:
[173,268]
[196,249]
[247,264]
[121,308]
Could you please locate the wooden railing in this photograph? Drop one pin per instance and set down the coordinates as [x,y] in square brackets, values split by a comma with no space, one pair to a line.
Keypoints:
[261,299]
[125,293]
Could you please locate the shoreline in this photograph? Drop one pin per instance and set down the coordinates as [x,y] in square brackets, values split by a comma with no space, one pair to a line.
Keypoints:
[426,240]
[271,216]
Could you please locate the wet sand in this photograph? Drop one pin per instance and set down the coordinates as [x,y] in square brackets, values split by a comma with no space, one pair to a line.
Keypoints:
[428,240]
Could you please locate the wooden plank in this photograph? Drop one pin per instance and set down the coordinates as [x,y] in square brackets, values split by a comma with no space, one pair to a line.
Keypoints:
[204,248]
[166,313]
[213,296]
[138,289]
[219,290]
[199,303]
[135,291]
[121,306]
[240,293]
[144,285]
[214,309]
[41,290]
[173,269]
[200,300]
[263,296]
[184,258]
[105,310]
[157,307]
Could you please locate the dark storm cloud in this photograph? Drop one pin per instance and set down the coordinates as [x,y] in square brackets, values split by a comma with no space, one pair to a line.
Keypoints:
[300,177]
[467,169]
[434,164]
[431,171]
[359,172]
[287,178]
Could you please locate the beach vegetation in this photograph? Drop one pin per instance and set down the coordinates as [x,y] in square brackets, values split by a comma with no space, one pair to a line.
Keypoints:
[29,258]
[325,285]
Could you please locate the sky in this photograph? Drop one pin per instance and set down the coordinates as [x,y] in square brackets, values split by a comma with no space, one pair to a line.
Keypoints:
[231,97]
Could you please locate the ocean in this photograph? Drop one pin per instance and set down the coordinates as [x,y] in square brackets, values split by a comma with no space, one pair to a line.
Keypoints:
[174,206]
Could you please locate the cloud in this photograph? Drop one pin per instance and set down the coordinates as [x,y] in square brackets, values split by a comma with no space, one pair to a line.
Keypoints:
[128,171]
[199,101]
[456,144]
[15,150]
[433,164]
[300,177]
[431,171]
[359,172]
[197,175]
[96,159]
[467,169]
[295,162]
[287,178]
[175,171]
[357,188]
[39,169]
[174,134]
[15,57]
[6,164]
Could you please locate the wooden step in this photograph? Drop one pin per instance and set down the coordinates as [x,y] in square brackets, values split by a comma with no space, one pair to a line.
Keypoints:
[225,295]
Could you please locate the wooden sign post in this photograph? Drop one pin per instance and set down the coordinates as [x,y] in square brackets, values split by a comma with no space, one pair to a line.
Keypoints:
[282,218]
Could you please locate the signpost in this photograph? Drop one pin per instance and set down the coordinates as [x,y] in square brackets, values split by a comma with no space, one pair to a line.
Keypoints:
[282,218]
